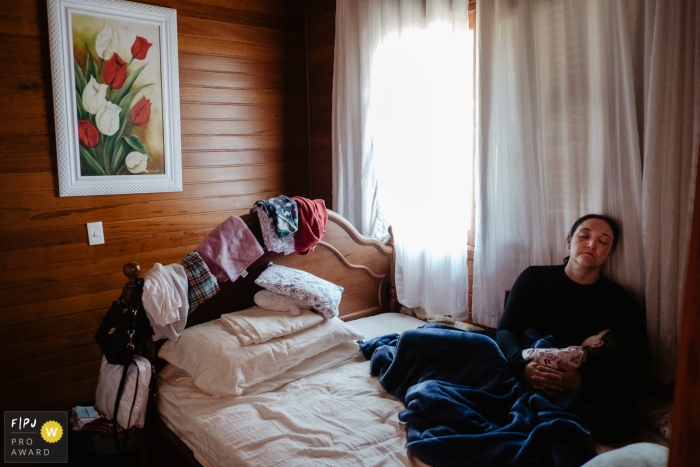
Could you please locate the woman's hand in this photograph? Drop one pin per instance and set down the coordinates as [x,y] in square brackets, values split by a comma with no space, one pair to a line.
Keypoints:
[570,379]
[551,382]
[544,379]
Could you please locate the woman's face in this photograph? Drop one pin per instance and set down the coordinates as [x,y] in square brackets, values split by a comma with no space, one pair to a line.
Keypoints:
[591,243]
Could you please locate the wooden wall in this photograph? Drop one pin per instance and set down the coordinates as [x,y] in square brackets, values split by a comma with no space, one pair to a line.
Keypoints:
[321,41]
[244,136]
[685,450]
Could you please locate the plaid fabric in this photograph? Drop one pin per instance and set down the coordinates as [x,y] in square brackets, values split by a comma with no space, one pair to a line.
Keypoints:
[202,284]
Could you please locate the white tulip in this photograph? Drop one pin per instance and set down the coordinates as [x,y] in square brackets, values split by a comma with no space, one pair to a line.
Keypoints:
[107,118]
[94,96]
[107,42]
[136,162]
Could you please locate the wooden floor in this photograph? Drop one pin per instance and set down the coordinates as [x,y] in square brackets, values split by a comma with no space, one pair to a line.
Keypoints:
[152,450]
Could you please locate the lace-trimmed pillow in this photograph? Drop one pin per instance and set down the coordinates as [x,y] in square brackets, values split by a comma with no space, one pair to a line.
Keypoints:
[321,296]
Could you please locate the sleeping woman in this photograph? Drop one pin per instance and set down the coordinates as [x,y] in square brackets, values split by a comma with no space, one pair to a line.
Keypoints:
[468,405]
[571,302]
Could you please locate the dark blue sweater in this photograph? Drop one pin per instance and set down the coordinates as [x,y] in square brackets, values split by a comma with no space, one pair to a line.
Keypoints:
[543,298]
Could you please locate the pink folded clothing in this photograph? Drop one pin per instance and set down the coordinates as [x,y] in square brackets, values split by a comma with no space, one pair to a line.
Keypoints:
[229,249]
[313,217]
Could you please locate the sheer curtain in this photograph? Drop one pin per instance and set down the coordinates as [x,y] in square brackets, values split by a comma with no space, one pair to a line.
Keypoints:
[576,100]
[669,123]
[402,144]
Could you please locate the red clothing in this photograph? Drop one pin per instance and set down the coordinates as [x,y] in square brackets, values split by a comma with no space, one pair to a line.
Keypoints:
[313,217]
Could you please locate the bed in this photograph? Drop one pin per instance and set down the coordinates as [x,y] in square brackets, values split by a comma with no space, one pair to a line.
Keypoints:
[326,409]
[313,419]
[338,416]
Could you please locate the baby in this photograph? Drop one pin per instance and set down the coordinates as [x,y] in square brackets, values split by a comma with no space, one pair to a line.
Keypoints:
[573,356]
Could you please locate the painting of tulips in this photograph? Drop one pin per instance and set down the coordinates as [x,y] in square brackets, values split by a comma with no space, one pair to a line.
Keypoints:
[120,116]
[114,103]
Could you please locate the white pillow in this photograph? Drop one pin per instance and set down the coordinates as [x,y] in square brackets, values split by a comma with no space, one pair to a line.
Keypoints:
[319,294]
[219,365]
[637,454]
[276,302]
[257,325]
[328,359]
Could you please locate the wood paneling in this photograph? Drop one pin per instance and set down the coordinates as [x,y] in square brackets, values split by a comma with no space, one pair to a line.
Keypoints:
[29,367]
[321,43]
[244,127]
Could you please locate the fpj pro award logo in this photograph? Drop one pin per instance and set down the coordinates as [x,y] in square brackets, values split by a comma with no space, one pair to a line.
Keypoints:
[33,436]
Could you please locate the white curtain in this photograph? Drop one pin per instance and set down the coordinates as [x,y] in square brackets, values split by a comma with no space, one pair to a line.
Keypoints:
[669,126]
[402,144]
[581,109]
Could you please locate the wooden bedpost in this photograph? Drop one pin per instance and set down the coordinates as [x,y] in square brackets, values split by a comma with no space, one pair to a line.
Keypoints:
[131,271]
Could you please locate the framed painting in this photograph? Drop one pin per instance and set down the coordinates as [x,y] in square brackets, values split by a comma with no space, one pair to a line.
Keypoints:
[116,94]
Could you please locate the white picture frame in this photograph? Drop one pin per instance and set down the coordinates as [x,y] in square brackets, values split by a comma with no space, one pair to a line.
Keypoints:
[128,120]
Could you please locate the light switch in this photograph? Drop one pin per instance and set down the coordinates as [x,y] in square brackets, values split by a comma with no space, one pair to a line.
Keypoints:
[95,234]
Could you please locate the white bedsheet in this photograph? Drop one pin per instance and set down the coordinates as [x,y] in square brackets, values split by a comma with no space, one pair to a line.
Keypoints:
[338,417]
[385,323]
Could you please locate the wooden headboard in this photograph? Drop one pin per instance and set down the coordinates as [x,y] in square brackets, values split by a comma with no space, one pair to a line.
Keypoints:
[362,265]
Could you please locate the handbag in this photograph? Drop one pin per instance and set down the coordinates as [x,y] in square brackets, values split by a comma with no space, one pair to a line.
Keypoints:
[122,396]
[123,328]
[125,403]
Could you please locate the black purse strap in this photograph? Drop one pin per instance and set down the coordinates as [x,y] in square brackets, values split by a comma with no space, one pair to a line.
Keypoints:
[135,305]
[115,424]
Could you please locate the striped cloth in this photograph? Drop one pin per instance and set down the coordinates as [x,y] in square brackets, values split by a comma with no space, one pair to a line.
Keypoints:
[202,285]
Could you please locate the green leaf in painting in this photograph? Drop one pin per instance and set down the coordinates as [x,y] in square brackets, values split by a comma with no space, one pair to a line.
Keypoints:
[109,143]
[80,82]
[91,69]
[90,163]
[106,157]
[116,96]
[114,140]
[119,155]
[125,103]
[82,113]
[135,142]
[122,123]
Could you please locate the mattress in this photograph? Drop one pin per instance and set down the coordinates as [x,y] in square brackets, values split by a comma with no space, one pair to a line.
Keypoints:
[337,416]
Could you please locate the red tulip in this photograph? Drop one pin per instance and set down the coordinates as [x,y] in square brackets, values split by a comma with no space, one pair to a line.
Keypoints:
[115,72]
[141,112]
[140,48]
[88,134]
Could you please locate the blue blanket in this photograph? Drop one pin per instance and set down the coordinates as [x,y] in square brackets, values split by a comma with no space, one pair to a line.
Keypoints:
[465,408]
